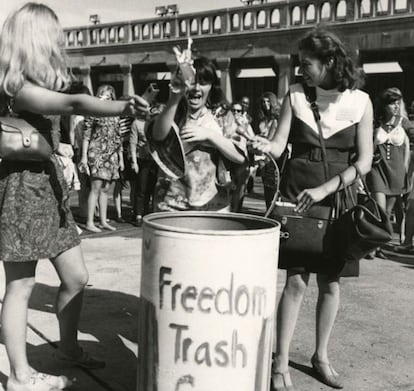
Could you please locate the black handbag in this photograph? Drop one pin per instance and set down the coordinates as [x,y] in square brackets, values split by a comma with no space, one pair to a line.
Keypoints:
[363,227]
[308,234]
[20,141]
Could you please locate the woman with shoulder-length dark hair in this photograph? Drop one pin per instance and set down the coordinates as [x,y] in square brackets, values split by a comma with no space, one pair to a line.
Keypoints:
[388,179]
[346,123]
[188,114]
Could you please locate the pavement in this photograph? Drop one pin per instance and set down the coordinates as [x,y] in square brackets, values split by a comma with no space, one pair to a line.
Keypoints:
[371,346]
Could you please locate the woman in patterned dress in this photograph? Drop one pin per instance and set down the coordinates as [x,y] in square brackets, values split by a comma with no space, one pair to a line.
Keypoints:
[346,122]
[35,219]
[203,140]
[388,179]
[102,158]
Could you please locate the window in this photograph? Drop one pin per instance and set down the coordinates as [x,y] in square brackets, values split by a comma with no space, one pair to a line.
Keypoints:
[310,14]
[261,18]
[296,15]
[275,17]
[341,10]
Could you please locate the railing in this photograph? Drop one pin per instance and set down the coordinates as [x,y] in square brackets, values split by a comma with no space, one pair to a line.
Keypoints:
[270,16]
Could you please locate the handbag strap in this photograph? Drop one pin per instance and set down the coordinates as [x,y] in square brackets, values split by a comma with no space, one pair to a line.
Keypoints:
[348,193]
[310,93]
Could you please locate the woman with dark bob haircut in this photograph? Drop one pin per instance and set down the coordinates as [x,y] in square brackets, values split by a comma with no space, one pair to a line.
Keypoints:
[388,178]
[346,123]
[188,115]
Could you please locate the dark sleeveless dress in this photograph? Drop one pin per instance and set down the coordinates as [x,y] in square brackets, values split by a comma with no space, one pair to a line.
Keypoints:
[305,168]
[35,219]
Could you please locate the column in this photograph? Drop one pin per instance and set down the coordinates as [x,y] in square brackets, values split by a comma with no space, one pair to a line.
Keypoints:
[128,83]
[85,77]
[223,64]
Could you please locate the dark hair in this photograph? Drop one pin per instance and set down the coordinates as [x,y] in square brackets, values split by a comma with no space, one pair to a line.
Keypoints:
[274,106]
[387,96]
[206,72]
[326,46]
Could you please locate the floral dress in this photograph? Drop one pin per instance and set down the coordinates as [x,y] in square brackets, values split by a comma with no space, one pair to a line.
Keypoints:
[198,189]
[35,219]
[105,143]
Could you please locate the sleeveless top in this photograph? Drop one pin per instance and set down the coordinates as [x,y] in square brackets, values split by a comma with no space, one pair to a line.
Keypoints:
[340,114]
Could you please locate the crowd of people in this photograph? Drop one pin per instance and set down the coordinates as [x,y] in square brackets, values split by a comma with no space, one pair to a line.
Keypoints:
[101,142]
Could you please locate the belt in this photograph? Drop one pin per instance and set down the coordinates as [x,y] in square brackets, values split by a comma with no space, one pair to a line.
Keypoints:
[315,154]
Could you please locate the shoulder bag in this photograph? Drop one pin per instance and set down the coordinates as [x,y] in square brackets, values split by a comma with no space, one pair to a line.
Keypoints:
[20,141]
[363,227]
[307,234]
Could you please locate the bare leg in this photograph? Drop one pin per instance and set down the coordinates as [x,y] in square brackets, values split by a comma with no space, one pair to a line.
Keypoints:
[117,195]
[72,272]
[287,315]
[96,187]
[326,310]
[103,206]
[20,280]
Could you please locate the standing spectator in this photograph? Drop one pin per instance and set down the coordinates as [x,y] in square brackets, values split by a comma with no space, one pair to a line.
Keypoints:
[245,104]
[268,116]
[388,179]
[346,122]
[102,159]
[124,172]
[35,220]
[188,114]
[240,172]
[143,167]
[77,126]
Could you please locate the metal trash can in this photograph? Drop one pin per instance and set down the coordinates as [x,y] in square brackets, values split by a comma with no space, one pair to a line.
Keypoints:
[207,303]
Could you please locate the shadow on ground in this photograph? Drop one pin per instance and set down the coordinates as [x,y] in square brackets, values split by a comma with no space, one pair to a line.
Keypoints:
[110,319]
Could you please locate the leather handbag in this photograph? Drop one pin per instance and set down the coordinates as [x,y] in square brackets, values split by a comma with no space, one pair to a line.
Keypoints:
[305,232]
[308,232]
[363,227]
[20,141]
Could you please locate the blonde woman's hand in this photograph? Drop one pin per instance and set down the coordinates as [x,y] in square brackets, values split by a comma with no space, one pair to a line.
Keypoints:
[259,145]
[308,197]
[136,106]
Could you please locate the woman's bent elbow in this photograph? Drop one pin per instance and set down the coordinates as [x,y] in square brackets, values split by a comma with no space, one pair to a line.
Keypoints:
[365,166]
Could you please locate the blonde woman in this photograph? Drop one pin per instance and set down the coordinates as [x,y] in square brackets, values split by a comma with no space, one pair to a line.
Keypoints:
[35,221]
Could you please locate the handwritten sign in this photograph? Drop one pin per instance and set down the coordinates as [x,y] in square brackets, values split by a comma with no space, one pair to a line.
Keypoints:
[211,301]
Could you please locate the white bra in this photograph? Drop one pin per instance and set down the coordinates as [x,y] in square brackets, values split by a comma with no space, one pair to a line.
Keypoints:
[395,137]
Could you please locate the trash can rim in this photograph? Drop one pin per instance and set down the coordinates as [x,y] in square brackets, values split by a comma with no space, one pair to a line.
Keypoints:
[150,220]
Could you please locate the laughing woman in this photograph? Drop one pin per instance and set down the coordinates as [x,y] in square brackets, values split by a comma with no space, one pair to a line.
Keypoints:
[188,114]
[346,126]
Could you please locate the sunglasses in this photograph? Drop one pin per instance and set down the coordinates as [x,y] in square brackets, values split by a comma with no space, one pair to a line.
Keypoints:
[236,111]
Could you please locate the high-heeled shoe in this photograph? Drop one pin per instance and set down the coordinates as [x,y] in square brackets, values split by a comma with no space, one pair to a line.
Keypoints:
[325,373]
[40,382]
[283,376]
